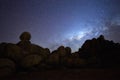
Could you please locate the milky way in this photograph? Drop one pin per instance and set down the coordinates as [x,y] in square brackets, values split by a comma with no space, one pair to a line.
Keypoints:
[59,22]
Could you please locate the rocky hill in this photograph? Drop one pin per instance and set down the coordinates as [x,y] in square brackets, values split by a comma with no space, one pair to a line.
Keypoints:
[25,56]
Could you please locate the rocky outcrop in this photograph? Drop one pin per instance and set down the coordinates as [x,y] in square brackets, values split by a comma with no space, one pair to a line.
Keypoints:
[25,43]
[7,67]
[97,52]
[100,52]
[14,52]
[31,60]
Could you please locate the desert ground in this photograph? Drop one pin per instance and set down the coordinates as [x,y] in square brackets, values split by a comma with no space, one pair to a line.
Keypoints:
[67,74]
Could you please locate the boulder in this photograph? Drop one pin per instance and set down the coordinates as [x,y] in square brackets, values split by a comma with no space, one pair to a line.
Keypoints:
[14,52]
[7,67]
[25,36]
[31,60]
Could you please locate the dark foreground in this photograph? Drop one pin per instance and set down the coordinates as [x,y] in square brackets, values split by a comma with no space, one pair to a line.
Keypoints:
[68,74]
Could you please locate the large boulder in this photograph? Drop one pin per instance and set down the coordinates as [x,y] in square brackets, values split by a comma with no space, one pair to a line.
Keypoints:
[53,58]
[61,51]
[35,49]
[24,42]
[59,56]
[77,61]
[13,51]
[68,51]
[100,52]
[25,36]
[25,46]
[74,62]
[31,60]
[7,67]
[2,49]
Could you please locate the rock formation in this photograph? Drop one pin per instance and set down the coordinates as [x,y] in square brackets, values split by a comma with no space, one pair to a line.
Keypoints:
[97,52]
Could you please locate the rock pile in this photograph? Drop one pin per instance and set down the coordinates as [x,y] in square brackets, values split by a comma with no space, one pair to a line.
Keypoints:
[25,56]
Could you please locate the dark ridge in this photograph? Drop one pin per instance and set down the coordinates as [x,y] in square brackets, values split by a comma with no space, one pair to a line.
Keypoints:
[25,56]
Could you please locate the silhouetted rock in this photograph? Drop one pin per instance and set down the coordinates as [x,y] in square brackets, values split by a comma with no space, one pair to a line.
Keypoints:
[31,61]
[101,37]
[25,43]
[47,51]
[68,51]
[53,58]
[25,36]
[35,49]
[75,60]
[7,67]
[29,48]
[100,52]
[97,52]
[60,56]
[43,52]
[14,52]
[2,49]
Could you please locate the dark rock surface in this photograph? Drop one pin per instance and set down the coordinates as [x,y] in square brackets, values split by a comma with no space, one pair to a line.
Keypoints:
[24,57]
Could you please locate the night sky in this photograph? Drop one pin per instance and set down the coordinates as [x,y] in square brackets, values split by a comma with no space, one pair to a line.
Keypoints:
[59,22]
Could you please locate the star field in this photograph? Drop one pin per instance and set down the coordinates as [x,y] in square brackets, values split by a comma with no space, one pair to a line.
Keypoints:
[59,22]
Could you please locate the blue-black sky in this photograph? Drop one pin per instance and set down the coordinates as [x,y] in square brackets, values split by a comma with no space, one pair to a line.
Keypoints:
[59,22]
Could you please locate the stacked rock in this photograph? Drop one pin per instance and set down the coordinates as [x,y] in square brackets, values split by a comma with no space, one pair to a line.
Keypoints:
[25,43]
